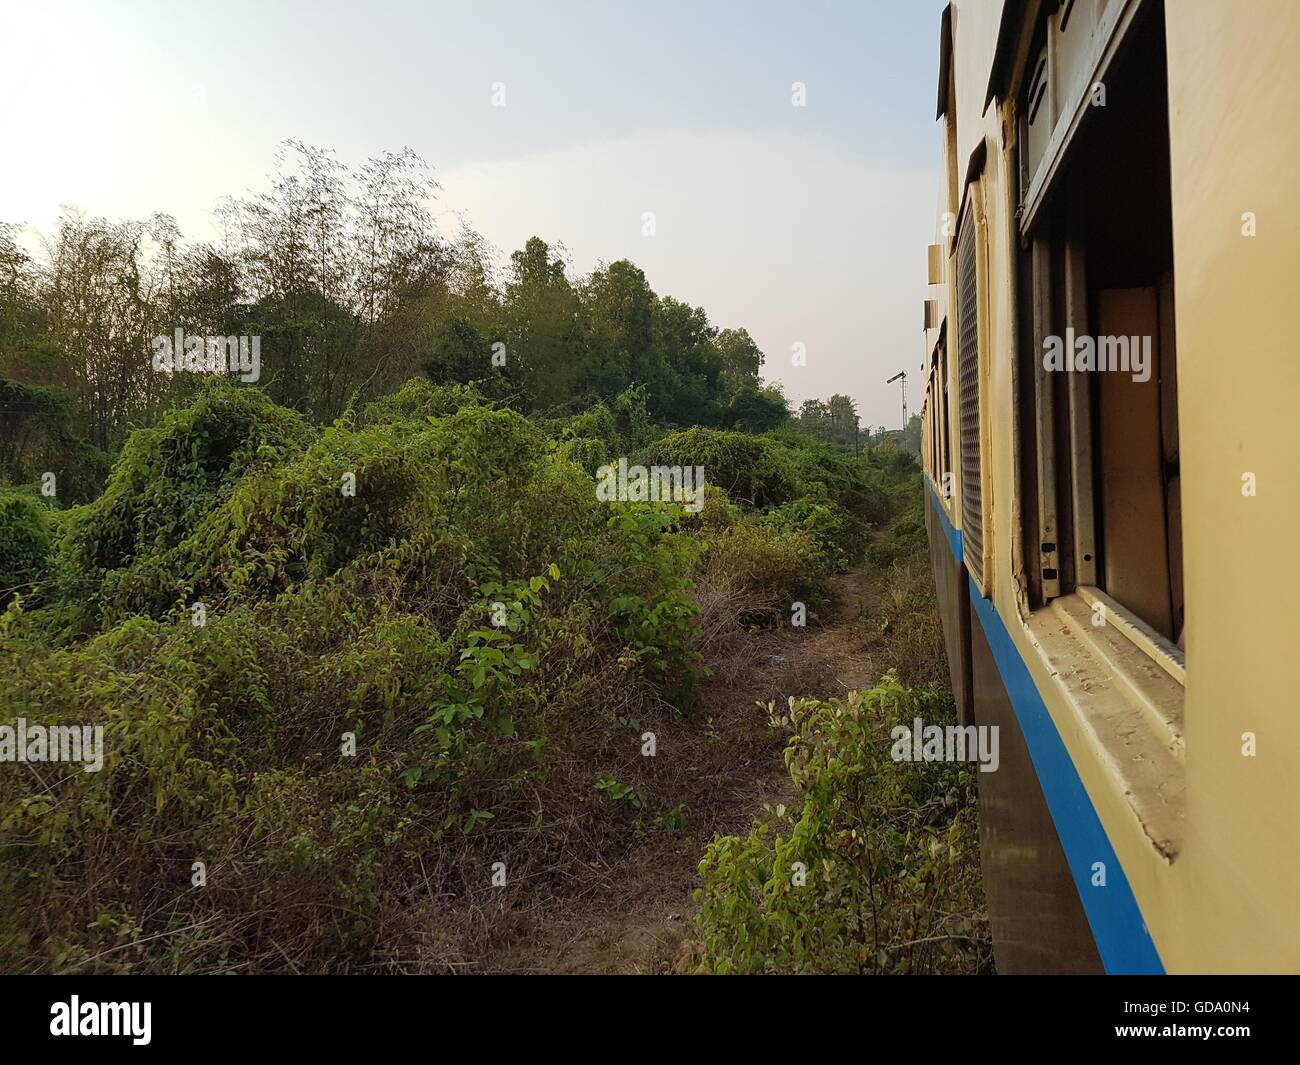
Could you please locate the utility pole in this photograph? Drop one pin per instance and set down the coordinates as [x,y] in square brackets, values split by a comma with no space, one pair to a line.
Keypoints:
[901,376]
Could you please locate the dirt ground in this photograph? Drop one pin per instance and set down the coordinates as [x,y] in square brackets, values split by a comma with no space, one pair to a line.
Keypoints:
[635,915]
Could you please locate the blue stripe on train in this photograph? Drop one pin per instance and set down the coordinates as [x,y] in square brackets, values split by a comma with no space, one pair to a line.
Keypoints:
[1123,941]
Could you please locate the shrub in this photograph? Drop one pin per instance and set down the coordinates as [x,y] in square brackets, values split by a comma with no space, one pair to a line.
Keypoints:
[115,557]
[418,400]
[632,419]
[903,630]
[584,452]
[906,538]
[474,618]
[657,626]
[745,466]
[875,868]
[596,423]
[755,556]
[838,535]
[36,436]
[718,512]
[26,534]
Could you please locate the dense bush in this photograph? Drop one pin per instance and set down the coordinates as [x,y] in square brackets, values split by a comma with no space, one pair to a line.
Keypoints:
[585,453]
[419,399]
[787,563]
[37,436]
[874,869]
[473,619]
[821,505]
[906,538]
[860,483]
[26,533]
[132,549]
[747,467]
[350,652]
[597,423]
[343,667]
[839,537]
[718,512]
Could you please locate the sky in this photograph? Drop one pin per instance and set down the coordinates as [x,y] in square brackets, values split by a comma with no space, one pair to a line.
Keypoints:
[805,225]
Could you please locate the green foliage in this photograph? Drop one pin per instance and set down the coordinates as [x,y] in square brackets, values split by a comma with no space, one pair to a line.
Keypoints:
[417,400]
[825,472]
[377,615]
[471,621]
[718,512]
[905,539]
[875,867]
[747,467]
[596,423]
[37,436]
[19,401]
[132,549]
[585,453]
[892,459]
[656,627]
[756,410]
[838,536]
[759,556]
[834,421]
[391,299]
[590,439]
[423,634]
[903,629]
[822,503]
[911,439]
[26,535]
[617,792]
[635,427]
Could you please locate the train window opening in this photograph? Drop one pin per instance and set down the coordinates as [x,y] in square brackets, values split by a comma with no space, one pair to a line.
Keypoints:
[1099,358]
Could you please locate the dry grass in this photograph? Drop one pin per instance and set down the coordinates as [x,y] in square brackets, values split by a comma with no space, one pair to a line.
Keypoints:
[903,631]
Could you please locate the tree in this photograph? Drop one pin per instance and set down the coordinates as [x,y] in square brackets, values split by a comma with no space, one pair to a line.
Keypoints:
[911,439]
[616,303]
[685,364]
[343,277]
[98,295]
[741,360]
[844,420]
[757,410]
[815,419]
[545,348]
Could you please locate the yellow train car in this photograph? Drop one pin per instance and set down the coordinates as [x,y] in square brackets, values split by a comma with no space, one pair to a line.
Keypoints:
[1110,441]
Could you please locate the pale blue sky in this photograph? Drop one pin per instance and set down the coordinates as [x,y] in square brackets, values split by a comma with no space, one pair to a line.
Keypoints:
[801,224]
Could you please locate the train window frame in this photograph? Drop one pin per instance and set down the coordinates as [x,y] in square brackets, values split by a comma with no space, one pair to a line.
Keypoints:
[1064,464]
[1061,77]
[943,441]
[1118,689]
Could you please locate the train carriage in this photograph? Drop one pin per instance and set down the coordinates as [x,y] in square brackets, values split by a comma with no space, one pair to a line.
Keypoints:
[1109,442]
